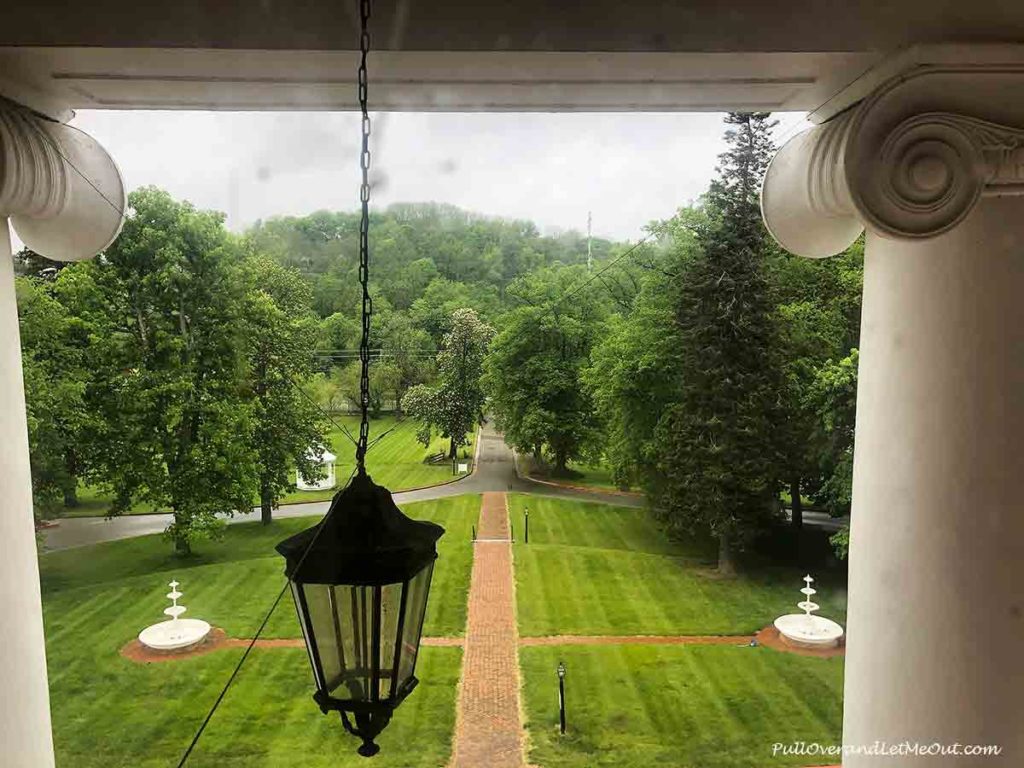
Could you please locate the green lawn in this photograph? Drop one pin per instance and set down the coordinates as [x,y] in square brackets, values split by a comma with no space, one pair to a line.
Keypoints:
[595,569]
[397,462]
[586,475]
[679,706]
[231,582]
[111,712]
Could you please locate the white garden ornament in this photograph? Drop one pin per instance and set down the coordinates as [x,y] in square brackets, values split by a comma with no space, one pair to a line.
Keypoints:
[177,633]
[806,629]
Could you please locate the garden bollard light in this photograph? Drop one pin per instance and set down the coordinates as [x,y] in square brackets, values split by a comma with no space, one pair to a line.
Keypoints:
[561,697]
[526,526]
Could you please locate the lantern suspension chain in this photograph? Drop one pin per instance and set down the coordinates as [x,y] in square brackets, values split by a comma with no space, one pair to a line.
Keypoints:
[364,239]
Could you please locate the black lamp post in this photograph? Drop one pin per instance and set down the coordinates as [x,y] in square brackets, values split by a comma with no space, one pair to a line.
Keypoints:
[360,580]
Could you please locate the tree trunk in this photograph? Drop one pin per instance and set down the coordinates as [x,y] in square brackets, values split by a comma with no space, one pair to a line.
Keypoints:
[266,504]
[182,546]
[452,448]
[71,488]
[726,566]
[797,505]
[561,463]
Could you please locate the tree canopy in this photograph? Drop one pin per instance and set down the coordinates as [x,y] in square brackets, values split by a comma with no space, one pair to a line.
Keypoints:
[194,370]
[454,406]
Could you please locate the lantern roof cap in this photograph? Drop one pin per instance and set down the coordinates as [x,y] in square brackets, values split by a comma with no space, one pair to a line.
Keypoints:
[365,540]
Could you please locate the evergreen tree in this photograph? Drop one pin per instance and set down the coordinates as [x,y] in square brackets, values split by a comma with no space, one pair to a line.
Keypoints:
[717,463]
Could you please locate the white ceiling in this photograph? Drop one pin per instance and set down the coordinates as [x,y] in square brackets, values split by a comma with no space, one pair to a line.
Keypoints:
[455,55]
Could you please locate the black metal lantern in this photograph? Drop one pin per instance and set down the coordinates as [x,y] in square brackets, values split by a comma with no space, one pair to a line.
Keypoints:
[360,580]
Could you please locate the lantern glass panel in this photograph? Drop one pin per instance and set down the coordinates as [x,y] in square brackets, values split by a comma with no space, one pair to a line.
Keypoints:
[344,620]
[416,605]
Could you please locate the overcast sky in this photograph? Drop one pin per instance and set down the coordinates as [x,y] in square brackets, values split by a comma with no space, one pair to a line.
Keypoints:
[628,169]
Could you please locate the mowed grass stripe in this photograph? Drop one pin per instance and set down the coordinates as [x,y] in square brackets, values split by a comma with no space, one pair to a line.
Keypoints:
[569,523]
[685,706]
[579,575]
[145,715]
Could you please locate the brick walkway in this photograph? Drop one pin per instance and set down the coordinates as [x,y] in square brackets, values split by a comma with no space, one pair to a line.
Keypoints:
[489,730]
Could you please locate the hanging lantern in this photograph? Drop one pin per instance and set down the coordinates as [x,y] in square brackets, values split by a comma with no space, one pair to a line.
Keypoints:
[360,580]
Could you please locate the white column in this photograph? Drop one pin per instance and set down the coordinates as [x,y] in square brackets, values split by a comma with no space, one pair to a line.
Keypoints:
[25,738]
[936,595]
[932,163]
[65,197]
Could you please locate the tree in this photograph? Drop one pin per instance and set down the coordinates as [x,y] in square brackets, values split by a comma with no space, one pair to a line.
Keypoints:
[717,452]
[170,367]
[634,371]
[409,352]
[834,401]
[383,382]
[56,377]
[288,429]
[535,368]
[455,405]
[434,310]
[338,332]
[819,316]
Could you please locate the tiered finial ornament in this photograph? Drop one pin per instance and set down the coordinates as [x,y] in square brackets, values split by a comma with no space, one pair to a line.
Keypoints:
[806,604]
[177,633]
[806,629]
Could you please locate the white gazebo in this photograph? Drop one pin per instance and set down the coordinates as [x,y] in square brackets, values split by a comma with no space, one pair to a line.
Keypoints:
[326,482]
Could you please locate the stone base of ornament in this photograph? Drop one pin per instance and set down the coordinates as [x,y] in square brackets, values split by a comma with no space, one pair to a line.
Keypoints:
[803,631]
[771,638]
[214,640]
[175,634]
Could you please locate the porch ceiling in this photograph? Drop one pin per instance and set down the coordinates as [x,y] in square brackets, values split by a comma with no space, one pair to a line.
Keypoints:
[452,55]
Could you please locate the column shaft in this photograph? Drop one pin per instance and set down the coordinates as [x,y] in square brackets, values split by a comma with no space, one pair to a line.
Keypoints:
[25,717]
[936,597]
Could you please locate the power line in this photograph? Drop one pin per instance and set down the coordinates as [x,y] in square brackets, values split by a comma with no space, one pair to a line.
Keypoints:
[256,636]
[322,410]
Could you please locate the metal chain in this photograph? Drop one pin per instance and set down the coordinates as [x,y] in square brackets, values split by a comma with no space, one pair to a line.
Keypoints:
[364,241]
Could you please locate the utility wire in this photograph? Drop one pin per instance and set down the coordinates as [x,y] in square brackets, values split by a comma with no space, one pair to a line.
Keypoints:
[252,643]
[324,411]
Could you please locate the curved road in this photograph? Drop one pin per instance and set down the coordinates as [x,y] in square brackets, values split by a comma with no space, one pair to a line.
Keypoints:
[495,471]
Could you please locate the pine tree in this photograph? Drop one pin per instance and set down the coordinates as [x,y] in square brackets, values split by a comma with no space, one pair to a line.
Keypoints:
[717,455]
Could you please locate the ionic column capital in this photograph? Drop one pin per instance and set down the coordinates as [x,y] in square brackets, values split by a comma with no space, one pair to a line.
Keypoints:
[62,191]
[910,161]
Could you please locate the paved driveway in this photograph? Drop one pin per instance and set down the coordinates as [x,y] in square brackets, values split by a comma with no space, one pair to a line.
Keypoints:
[495,471]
